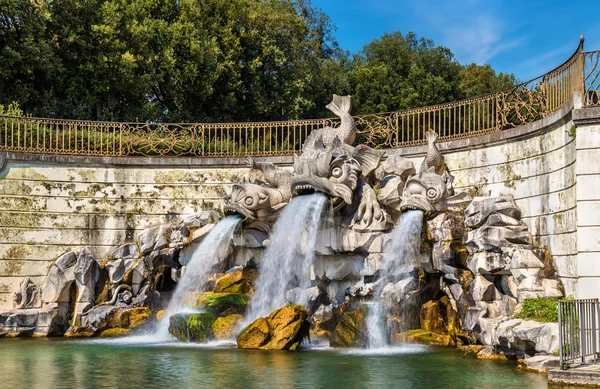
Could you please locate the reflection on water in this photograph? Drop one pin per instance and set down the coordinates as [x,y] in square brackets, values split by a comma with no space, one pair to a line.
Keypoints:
[99,363]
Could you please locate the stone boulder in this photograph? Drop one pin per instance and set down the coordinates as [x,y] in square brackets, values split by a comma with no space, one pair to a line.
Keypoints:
[192,327]
[32,322]
[154,238]
[224,327]
[284,329]
[351,330]
[110,317]
[481,208]
[527,337]
[239,281]
[222,304]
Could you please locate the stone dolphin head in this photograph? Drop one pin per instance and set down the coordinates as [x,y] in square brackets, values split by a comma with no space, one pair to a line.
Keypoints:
[426,191]
[333,170]
[251,199]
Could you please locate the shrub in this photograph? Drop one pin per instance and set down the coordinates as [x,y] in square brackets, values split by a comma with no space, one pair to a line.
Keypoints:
[540,309]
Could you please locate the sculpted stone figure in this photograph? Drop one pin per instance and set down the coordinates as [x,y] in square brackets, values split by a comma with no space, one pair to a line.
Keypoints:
[431,190]
[341,172]
[26,295]
[257,199]
[346,132]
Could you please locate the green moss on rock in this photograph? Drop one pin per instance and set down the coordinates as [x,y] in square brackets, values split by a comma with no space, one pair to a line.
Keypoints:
[222,304]
[351,330]
[192,327]
[224,327]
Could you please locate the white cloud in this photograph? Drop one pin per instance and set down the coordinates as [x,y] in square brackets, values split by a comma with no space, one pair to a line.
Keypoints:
[474,30]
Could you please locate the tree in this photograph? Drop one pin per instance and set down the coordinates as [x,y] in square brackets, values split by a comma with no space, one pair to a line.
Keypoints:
[28,64]
[397,72]
[476,80]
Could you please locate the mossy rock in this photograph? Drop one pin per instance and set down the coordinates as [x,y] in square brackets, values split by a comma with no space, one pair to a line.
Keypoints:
[192,327]
[239,281]
[178,326]
[128,317]
[114,332]
[224,327]
[351,330]
[428,337]
[200,327]
[284,329]
[256,335]
[222,304]
[430,317]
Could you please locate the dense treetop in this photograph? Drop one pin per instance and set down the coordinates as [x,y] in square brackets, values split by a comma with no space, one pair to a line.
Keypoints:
[212,60]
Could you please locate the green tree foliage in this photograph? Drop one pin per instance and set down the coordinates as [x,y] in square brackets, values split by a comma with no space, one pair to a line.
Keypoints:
[212,60]
[476,80]
[397,72]
[176,60]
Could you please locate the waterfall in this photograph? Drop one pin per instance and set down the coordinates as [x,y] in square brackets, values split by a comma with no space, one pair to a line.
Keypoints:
[399,261]
[209,252]
[376,326]
[287,259]
[403,253]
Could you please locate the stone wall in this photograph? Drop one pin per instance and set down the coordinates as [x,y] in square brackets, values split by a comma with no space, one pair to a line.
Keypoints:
[50,204]
[53,204]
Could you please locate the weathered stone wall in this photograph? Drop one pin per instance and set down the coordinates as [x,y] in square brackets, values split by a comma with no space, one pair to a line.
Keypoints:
[587,122]
[50,204]
[48,208]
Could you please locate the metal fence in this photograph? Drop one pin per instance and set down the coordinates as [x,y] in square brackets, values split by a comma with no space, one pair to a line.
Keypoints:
[521,104]
[579,337]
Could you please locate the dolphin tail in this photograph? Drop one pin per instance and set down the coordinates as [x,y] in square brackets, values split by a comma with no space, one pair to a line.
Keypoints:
[340,105]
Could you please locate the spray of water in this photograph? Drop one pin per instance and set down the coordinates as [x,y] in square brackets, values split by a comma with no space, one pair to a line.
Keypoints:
[403,253]
[398,262]
[209,253]
[287,259]
[376,326]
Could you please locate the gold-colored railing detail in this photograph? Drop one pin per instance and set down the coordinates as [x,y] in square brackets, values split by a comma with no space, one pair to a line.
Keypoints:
[516,106]
[591,82]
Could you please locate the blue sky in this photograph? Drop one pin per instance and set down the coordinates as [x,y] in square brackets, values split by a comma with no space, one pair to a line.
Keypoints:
[527,38]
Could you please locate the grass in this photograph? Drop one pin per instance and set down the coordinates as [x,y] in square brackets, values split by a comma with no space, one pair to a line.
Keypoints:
[540,309]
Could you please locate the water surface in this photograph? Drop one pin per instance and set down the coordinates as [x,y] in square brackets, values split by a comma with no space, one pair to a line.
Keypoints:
[60,363]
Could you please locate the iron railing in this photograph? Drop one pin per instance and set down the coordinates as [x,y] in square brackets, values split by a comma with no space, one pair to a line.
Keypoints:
[521,104]
[578,329]
[591,82]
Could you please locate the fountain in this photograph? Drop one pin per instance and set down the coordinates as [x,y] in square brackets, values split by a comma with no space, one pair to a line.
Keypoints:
[209,253]
[450,264]
[289,256]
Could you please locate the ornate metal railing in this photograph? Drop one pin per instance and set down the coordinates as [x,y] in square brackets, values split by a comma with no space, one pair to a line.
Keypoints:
[591,82]
[578,331]
[521,104]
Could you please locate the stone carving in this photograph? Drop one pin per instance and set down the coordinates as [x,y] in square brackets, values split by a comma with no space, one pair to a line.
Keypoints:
[346,132]
[496,224]
[256,199]
[27,296]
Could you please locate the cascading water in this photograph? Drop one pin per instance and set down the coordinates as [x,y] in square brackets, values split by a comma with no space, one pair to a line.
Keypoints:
[399,262]
[376,326]
[210,252]
[287,259]
[403,253]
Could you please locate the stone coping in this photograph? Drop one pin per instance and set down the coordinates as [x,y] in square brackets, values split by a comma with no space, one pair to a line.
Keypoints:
[522,132]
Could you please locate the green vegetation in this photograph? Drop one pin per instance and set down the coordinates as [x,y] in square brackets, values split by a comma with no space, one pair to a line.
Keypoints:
[211,61]
[540,309]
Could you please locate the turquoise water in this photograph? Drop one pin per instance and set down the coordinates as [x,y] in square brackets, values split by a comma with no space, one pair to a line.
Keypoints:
[60,363]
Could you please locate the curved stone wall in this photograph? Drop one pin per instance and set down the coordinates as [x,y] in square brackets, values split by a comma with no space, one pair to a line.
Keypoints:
[51,203]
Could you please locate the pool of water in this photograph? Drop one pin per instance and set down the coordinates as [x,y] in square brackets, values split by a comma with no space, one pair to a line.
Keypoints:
[135,362]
